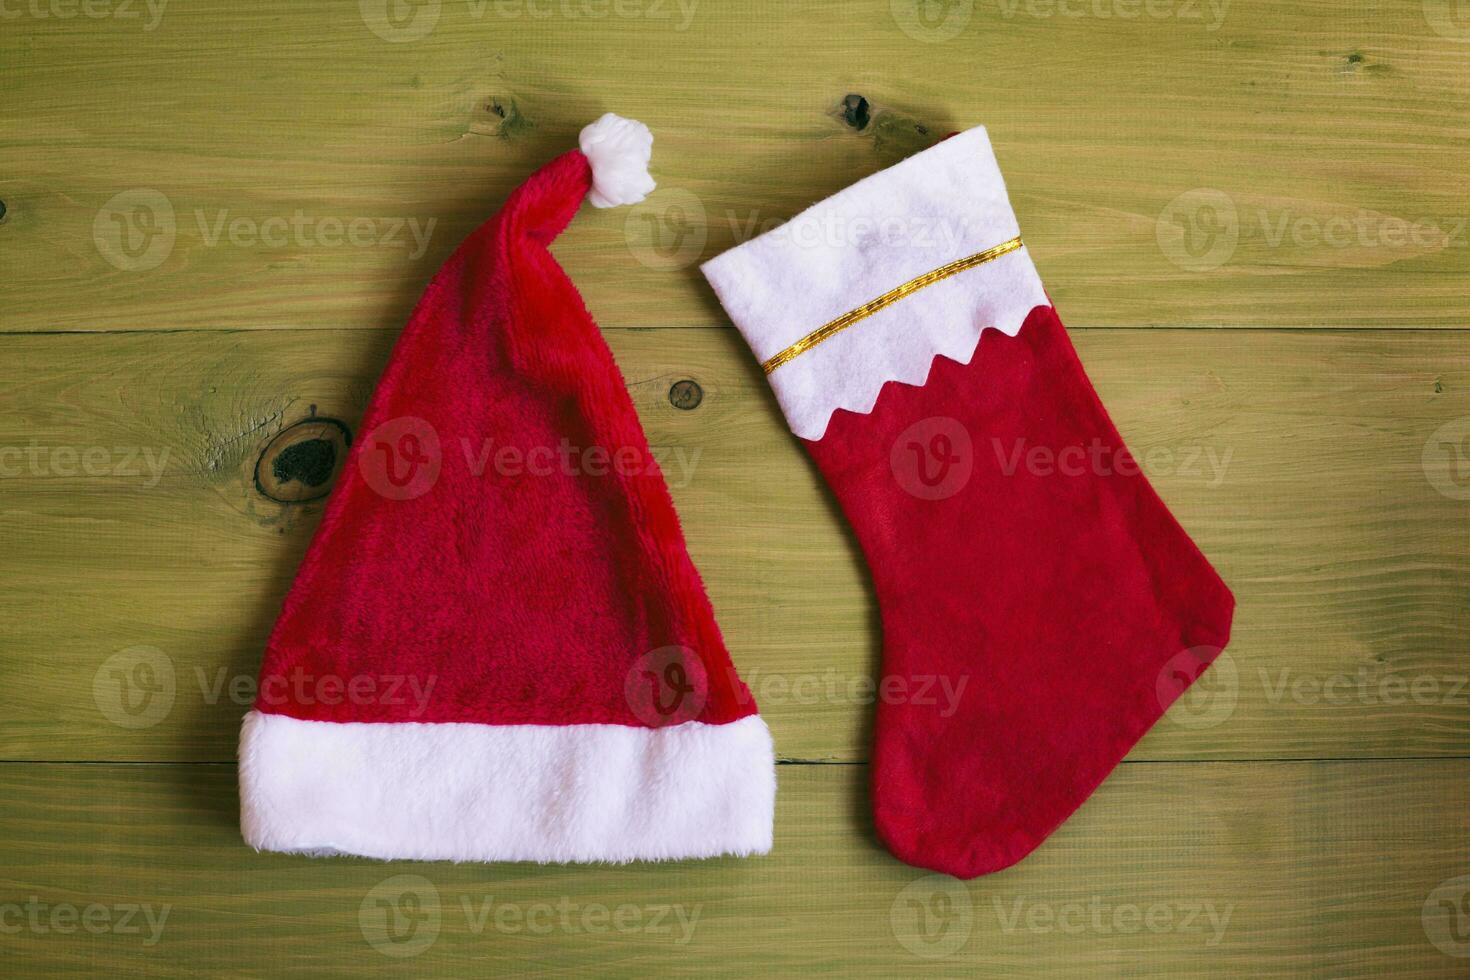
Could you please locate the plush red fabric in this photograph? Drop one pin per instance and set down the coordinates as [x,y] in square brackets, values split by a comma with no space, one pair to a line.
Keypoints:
[492,590]
[1063,596]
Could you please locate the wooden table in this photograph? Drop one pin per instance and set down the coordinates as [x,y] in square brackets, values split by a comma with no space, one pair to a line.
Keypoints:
[1253,215]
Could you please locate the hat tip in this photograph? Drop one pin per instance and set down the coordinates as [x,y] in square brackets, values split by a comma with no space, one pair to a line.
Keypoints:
[619,150]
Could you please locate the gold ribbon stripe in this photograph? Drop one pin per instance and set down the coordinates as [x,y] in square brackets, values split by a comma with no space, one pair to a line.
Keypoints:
[887,299]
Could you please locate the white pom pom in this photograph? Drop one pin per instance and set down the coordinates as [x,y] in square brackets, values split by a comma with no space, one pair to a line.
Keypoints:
[618,150]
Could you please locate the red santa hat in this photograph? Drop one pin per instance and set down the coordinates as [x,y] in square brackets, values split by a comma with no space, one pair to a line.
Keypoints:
[497,647]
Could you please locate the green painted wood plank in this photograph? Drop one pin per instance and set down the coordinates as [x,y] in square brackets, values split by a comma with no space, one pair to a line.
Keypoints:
[1174,163]
[1298,460]
[1192,869]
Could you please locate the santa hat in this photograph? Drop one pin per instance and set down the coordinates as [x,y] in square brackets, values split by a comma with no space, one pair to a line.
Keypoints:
[497,648]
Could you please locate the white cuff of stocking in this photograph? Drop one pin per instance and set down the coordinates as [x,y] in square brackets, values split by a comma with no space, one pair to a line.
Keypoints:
[471,792]
[865,243]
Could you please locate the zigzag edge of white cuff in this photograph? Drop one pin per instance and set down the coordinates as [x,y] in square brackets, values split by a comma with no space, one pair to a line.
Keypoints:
[943,204]
[471,792]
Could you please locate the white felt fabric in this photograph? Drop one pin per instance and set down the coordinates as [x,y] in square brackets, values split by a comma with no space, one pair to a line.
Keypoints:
[469,792]
[618,150]
[943,204]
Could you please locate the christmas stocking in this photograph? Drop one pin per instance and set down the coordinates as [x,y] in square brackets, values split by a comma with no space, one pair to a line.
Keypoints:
[1041,608]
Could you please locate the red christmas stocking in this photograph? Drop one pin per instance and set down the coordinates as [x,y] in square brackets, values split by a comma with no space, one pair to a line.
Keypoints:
[1041,608]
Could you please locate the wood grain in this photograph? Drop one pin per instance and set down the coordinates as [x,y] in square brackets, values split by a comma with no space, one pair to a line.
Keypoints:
[1314,154]
[215,217]
[1193,869]
[1295,459]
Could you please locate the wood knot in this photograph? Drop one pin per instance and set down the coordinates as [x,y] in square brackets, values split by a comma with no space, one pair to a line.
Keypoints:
[856,112]
[2,210]
[686,395]
[302,461]
[506,120]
